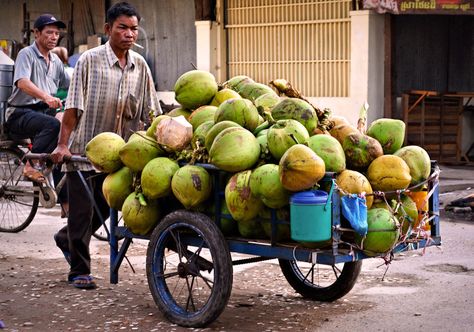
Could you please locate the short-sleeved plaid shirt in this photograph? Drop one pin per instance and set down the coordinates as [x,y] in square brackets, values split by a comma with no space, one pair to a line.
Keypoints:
[108,98]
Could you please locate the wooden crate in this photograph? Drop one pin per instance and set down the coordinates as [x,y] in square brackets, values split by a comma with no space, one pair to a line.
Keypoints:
[434,122]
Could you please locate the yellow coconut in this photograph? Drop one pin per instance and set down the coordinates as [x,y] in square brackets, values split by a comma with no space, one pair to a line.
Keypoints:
[340,132]
[300,168]
[389,173]
[353,182]
[338,120]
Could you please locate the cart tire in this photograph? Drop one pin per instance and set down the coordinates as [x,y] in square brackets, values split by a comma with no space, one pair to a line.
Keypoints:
[321,284]
[19,197]
[189,269]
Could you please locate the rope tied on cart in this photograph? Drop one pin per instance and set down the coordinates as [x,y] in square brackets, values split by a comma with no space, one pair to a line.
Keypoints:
[412,230]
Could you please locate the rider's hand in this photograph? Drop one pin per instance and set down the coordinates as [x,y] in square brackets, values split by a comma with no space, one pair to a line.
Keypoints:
[53,102]
[59,153]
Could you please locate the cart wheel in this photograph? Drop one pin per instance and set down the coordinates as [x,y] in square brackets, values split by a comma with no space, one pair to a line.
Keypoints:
[189,269]
[19,198]
[319,282]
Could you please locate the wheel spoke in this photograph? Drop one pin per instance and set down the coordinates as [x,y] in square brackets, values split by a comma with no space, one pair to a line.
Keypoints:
[207,281]
[19,198]
[337,271]
[179,246]
[167,275]
[310,271]
[190,294]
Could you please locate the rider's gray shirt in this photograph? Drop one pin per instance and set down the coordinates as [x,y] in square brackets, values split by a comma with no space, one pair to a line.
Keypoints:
[31,64]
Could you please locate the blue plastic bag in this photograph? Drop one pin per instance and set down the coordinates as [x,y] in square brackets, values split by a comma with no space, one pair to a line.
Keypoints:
[354,209]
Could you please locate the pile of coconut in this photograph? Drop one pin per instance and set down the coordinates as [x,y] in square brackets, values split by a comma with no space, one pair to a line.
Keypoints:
[270,142]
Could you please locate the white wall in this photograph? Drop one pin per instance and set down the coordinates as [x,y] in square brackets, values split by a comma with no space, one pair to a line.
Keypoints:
[367,69]
[367,64]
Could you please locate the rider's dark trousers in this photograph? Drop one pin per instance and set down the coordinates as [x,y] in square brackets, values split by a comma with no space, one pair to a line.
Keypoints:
[83,220]
[43,130]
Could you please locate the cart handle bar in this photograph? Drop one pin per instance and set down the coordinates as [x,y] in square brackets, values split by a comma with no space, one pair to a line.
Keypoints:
[47,157]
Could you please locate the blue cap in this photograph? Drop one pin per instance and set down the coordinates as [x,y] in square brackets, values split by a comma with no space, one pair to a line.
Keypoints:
[48,19]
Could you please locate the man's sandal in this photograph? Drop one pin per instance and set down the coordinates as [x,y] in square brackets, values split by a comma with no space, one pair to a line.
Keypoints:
[35,176]
[83,282]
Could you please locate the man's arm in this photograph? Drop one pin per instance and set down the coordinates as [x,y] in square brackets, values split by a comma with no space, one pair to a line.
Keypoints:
[68,124]
[30,88]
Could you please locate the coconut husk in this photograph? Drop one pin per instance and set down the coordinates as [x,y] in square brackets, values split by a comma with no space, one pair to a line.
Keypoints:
[174,134]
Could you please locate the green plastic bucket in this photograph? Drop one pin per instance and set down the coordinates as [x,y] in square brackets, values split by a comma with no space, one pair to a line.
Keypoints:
[310,216]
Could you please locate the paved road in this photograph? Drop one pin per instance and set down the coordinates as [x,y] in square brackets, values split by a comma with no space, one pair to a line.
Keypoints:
[433,291]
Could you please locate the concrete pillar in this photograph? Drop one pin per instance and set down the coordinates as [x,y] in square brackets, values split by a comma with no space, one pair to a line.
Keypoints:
[203,45]
[210,48]
[367,61]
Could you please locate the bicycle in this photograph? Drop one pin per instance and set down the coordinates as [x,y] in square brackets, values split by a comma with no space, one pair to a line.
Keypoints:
[19,196]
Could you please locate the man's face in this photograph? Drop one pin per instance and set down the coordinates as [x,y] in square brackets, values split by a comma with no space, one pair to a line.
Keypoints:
[123,32]
[48,37]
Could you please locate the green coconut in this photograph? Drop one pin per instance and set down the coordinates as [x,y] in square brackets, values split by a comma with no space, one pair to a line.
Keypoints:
[191,185]
[150,132]
[383,232]
[330,150]
[253,90]
[215,130]
[223,95]
[418,161]
[389,132]
[199,135]
[283,232]
[137,134]
[136,153]
[195,88]
[263,133]
[235,82]
[406,214]
[234,149]
[284,134]
[262,139]
[243,205]
[240,111]
[180,111]
[296,109]
[267,101]
[265,184]
[140,219]
[117,186]
[360,150]
[156,177]
[228,225]
[103,152]
[201,115]
[251,229]
[300,168]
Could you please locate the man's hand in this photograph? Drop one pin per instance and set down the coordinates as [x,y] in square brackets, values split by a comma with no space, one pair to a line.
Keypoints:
[52,102]
[31,89]
[59,153]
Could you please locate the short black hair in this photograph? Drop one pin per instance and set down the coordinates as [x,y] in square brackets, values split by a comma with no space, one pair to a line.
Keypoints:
[121,8]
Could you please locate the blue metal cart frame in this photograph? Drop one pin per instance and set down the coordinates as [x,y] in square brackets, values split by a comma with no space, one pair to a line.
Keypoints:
[334,254]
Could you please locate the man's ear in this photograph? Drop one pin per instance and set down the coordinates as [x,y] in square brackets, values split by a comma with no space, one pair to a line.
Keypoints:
[107,28]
